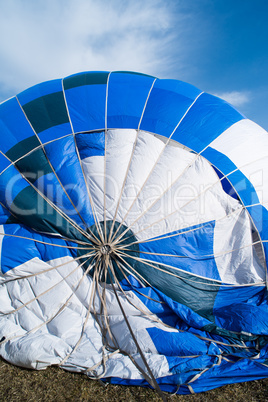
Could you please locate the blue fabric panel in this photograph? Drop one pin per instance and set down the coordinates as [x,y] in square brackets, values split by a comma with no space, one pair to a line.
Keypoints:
[218,159]
[91,144]
[242,309]
[259,216]
[185,367]
[185,315]
[4,215]
[63,157]
[86,78]
[244,188]
[206,120]
[11,184]
[228,373]
[167,384]
[179,87]
[238,180]
[86,105]
[49,186]
[14,126]
[45,88]
[228,295]
[168,102]
[55,132]
[243,317]
[226,185]
[37,93]
[49,253]
[4,163]
[127,94]
[179,343]
[195,247]
[27,249]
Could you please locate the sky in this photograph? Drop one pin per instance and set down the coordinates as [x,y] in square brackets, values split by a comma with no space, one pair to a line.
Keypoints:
[220,46]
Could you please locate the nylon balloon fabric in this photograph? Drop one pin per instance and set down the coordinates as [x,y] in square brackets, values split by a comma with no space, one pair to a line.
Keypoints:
[133,233]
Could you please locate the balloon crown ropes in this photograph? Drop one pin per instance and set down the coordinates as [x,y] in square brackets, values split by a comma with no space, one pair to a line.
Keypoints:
[133,233]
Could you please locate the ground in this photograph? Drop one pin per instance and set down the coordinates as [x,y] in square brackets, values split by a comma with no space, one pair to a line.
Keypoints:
[55,384]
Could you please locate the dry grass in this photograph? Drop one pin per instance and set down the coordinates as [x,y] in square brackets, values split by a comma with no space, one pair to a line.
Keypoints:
[55,384]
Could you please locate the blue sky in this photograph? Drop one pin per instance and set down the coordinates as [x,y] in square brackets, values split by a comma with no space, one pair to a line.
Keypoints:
[220,46]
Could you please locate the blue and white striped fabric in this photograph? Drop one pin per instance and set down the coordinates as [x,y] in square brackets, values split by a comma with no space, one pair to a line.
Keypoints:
[133,237]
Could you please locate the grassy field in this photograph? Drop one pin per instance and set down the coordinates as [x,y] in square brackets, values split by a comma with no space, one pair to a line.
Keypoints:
[55,384]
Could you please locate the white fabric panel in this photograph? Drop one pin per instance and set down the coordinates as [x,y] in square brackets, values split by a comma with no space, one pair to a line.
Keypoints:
[246,145]
[46,331]
[146,153]
[111,168]
[171,164]
[196,196]
[93,168]
[35,265]
[120,366]
[119,146]
[241,265]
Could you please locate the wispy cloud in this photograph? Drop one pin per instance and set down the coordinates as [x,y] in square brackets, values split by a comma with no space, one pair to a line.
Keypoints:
[49,39]
[236,98]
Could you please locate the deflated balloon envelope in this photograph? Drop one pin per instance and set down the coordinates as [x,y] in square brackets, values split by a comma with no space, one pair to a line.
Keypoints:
[133,216]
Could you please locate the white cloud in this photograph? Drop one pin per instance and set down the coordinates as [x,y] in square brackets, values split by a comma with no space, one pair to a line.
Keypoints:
[236,98]
[42,40]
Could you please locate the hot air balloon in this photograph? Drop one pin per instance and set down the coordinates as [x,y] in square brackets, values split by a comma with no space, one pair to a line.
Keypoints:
[134,231]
